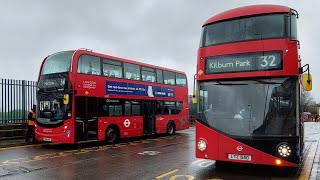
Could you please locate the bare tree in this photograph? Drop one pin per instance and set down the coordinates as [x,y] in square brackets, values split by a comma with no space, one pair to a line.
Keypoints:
[307,99]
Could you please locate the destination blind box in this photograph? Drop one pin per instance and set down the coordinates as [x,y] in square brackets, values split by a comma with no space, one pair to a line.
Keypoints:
[257,61]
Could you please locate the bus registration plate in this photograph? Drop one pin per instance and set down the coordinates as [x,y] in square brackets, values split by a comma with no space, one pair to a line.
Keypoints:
[239,157]
[46,139]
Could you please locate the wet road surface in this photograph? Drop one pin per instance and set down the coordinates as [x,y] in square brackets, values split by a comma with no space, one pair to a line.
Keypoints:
[162,157]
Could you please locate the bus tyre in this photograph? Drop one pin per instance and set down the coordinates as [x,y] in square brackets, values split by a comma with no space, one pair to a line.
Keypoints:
[171,129]
[112,135]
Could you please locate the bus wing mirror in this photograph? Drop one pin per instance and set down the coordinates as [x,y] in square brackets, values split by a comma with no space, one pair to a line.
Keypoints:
[66,99]
[194,97]
[307,82]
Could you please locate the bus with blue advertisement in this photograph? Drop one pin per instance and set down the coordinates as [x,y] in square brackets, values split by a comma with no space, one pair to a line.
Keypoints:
[87,96]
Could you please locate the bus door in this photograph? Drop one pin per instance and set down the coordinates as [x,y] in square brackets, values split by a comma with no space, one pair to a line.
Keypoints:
[86,123]
[149,117]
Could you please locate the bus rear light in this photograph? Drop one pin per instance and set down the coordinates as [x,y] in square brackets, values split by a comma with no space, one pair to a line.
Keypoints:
[65,127]
[202,145]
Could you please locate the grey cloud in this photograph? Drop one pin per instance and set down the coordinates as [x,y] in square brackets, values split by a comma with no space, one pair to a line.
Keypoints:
[164,33]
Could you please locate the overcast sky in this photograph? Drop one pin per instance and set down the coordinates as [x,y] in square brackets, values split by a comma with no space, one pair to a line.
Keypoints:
[161,32]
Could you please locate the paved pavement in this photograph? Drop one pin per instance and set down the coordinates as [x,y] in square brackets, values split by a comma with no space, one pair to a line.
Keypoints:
[312,133]
[12,142]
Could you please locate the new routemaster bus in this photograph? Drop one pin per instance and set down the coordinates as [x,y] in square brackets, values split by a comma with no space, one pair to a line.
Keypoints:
[248,87]
[87,96]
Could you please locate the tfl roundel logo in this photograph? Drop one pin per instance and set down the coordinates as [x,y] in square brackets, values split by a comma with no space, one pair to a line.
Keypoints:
[239,148]
[126,123]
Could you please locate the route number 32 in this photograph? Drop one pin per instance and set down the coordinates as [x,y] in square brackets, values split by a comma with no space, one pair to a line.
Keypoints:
[268,61]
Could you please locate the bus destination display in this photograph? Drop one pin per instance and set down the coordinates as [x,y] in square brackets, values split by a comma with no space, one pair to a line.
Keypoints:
[261,61]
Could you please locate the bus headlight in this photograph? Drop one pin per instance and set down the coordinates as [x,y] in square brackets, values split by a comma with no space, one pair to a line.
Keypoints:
[202,145]
[284,150]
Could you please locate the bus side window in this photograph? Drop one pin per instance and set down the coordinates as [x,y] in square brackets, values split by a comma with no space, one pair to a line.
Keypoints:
[127,108]
[89,65]
[105,111]
[178,107]
[115,110]
[132,71]
[159,107]
[136,108]
[148,74]
[169,107]
[181,79]
[169,78]
[159,76]
[112,68]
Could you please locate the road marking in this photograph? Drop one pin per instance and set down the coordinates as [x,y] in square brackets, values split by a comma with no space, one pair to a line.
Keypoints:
[197,161]
[166,174]
[73,152]
[204,163]
[133,143]
[17,147]
[13,161]
[150,153]
[187,176]
[305,174]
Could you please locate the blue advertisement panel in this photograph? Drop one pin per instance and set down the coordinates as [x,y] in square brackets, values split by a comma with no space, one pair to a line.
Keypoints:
[169,92]
[131,89]
[157,91]
[136,89]
[116,88]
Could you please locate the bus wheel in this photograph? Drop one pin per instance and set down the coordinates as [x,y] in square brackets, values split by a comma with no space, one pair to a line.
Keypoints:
[112,135]
[171,128]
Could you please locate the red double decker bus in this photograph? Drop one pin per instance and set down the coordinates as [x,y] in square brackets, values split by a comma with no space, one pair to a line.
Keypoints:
[87,96]
[248,92]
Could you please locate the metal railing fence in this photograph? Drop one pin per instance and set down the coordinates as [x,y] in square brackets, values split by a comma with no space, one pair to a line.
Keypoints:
[17,98]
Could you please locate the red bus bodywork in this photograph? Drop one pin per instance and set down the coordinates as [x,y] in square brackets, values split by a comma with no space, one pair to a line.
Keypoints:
[84,85]
[219,145]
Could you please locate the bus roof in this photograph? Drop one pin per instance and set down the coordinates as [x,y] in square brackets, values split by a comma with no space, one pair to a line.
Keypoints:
[84,51]
[247,11]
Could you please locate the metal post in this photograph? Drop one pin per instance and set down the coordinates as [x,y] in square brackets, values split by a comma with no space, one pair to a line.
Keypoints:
[2,101]
[15,100]
[5,101]
[23,93]
[19,99]
[11,98]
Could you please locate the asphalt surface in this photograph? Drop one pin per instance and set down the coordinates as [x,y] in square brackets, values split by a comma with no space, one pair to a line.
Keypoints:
[161,157]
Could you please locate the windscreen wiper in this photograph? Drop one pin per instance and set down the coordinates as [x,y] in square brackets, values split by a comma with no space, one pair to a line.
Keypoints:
[229,84]
[265,82]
